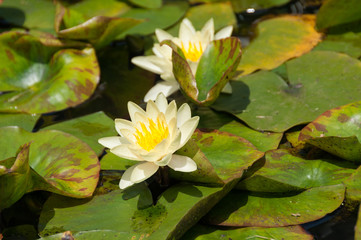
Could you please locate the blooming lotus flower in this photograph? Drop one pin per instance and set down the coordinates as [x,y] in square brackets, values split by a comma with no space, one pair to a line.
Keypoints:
[192,42]
[152,137]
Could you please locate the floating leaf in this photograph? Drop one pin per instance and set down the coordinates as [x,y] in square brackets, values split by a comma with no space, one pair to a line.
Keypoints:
[147,3]
[216,66]
[112,162]
[203,232]
[337,131]
[240,208]
[88,128]
[353,186]
[220,157]
[264,100]
[39,77]
[61,163]
[283,172]
[335,12]
[118,211]
[240,6]
[263,141]
[278,40]
[88,235]
[26,121]
[38,14]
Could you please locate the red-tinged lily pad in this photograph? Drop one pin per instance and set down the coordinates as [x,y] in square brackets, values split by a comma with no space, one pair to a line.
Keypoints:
[263,141]
[337,131]
[283,172]
[38,76]
[178,208]
[242,209]
[220,157]
[278,40]
[23,120]
[265,101]
[335,12]
[88,129]
[98,30]
[60,162]
[34,15]
[215,67]
[204,232]
[15,177]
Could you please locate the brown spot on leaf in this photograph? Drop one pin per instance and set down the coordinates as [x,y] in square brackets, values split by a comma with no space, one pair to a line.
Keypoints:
[77,69]
[207,141]
[91,166]
[10,55]
[82,189]
[327,114]
[277,154]
[79,90]
[343,118]
[320,127]
[89,70]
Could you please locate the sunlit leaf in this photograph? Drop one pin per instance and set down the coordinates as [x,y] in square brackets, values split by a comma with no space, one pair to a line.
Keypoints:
[241,208]
[278,40]
[39,76]
[265,101]
[353,186]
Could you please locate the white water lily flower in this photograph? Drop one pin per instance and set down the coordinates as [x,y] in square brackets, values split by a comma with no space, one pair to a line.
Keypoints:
[192,42]
[151,137]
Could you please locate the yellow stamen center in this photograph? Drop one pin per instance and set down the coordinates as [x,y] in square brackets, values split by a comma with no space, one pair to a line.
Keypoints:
[193,53]
[150,136]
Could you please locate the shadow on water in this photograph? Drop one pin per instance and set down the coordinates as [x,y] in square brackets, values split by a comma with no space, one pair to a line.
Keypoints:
[11,16]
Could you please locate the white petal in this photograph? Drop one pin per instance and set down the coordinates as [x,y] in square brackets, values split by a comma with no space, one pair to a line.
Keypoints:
[224,33]
[187,129]
[134,108]
[152,110]
[141,171]
[140,117]
[186,31]
[227,88]
[123,124]
[151,63]
[182,163]
[111,142]
[171,111]
[208,31]
[124,152]
[124,183]
[183,114]
[167,88]
[164,52]
[162,35]
[164,161]
[174,145]
[161,102]
[128,134]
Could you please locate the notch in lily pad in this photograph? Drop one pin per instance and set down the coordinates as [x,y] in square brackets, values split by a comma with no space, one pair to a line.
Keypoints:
[203,83]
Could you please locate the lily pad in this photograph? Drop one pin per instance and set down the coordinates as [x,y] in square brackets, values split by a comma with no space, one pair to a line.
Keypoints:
[23,120]
[112,162]
[346,11]
[203,232]
[60,162]
[118,211]
[38,76]
[353,186]
[263,141]
[240,6]
[147,3]
[31,14]
[220,157]
[241,208]
[215,68]
[337,131]
[88,235]
[265,101]
[278,40]
[283,172]
[358,226]
[88,129]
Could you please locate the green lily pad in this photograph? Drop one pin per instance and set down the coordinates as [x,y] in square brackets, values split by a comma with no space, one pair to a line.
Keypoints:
[88,129]
[278,40]
[210,119]
[353,186]
[265,101]
[337,131]
[88,235]
[203,232]
[216,66]
[118,211]
[23,120]
[348,43]
[283,172]
[240,208]
[147,3]
[335,12]
[60,162]
[240,6]
[263,141]
[220,157]
[38,76]
[15,178]
[112,162]
[163,17]
[31,14]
